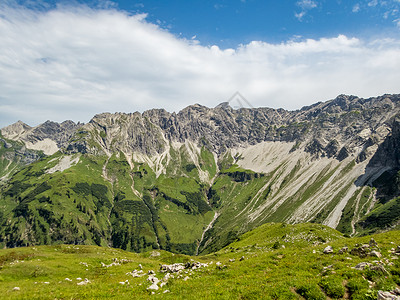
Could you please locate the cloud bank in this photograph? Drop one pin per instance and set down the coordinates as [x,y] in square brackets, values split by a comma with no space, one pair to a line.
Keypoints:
[74,62]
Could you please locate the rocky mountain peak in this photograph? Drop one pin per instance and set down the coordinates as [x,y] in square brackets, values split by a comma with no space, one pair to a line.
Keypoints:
[15,130]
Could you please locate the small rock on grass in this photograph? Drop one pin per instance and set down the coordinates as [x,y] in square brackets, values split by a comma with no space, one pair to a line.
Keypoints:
[375,254]
[154,287]
[84,282]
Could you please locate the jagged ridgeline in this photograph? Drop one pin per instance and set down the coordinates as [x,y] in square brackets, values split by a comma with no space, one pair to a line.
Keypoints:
[192,182]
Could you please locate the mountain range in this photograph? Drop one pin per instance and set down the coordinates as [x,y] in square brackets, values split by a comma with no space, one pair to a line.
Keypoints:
[194,181]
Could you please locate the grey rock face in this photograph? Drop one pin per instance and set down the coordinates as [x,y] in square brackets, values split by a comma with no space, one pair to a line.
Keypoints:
[338,128]
[59,133]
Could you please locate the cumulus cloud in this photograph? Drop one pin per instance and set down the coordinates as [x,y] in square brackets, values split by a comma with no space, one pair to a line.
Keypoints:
[71,63]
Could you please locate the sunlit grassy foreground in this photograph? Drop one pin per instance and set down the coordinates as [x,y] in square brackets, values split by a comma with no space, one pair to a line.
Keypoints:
[275,261]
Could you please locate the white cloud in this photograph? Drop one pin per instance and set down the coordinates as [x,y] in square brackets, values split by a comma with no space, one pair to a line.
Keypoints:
[71,63]
[373,3]
[305,5]
[388,9]
[300,15]
[356,8]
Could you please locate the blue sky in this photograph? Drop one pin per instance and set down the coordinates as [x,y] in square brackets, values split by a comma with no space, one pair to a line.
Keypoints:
[72,59]
[228,23]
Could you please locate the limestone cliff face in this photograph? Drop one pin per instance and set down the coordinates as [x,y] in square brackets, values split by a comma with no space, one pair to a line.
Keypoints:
[338,128]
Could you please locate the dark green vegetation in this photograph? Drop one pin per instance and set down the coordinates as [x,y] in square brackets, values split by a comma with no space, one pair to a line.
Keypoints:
[384,216]
[275,261]
[107,202]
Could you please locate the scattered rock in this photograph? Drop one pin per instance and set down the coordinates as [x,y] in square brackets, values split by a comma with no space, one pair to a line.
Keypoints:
[174,268]
[166,291]
[344,250]
[167,277]
[154,254]
[373,243]
[136,273]
[359,251]
[124,282]
[16,289]
[67,279]
[116,262]
[379,268]
[328,250]
[154,287]
[387,296]
[232,260]
[110,265]
[375,254]
[362,265]
[83,263]
[186,278]
[153,279]
[84,282]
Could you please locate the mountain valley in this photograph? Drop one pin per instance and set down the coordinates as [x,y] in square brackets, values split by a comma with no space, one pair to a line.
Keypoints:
[194,181]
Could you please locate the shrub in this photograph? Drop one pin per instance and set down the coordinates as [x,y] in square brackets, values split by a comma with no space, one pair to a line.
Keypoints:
[311,291]
[333,287]
[356,284]
[190,167]
[276,245]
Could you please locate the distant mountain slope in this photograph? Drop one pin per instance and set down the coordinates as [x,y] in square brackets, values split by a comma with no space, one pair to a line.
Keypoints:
[193,181]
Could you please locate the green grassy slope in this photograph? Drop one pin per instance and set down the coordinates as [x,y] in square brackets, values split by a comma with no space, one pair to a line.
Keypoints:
[275,261]
[102,200]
